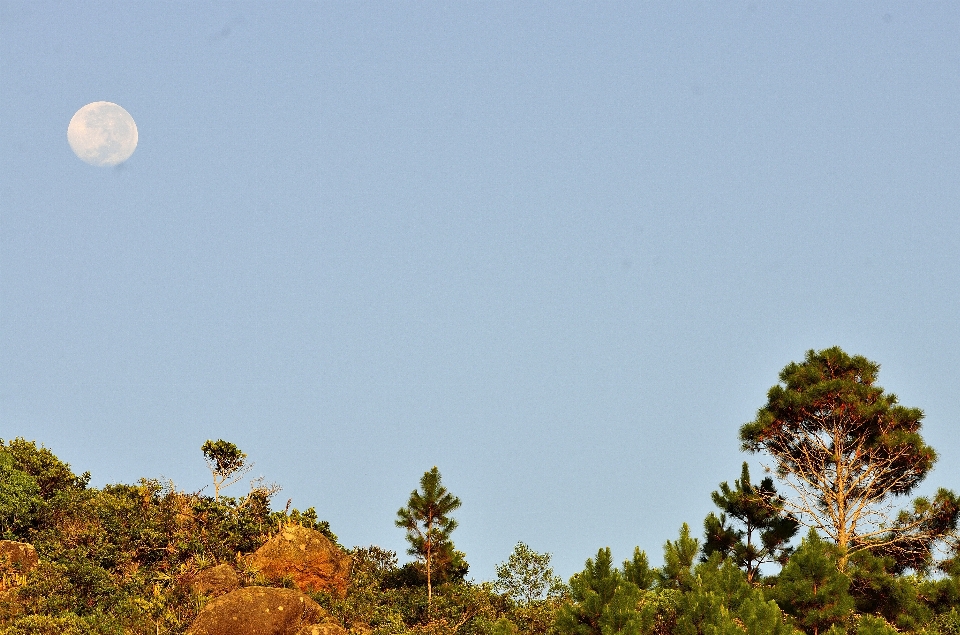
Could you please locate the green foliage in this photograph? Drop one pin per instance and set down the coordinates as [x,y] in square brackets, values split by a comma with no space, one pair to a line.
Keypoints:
[20,501]
[527,576]
[716,598]
[812,589]
[375,603]
[870,625]
[226,463]
[428,524]
[592,592]
[36,489]
[943,624]
[915,533]
[702,612]
[847,447]
[658,610]
[119,560]
[638,571]
[532,590]
[760,617]
[678,557]
[764,531]
[51,474]
[721,600]
[369,603]
[116,560]
[878,591]
[502,626]
[68,624]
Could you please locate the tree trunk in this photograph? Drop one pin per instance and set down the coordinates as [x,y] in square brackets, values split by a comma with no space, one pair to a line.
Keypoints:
[429,549]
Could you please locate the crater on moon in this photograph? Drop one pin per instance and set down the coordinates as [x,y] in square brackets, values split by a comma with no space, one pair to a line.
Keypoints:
[103,134]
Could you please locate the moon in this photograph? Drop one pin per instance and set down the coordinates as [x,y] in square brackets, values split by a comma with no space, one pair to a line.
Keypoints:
[102,134]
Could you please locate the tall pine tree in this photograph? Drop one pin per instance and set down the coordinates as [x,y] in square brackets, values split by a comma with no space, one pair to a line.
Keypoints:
[426,518]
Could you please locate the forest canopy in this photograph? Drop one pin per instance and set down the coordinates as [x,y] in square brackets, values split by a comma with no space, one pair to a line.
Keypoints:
[828,543]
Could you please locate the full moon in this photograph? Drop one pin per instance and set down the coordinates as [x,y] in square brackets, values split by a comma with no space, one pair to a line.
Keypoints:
[102,133]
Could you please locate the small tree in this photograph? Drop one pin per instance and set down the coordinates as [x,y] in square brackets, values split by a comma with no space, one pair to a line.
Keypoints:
[812,589]
[847,448]
[638,571]
[226,462]
[678,557]
[764,532]
[428,524]
[601,601]
[535,592]
[527,576]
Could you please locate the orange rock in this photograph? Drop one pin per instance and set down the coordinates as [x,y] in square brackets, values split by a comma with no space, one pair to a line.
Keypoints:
[216,581]
[307,557]
[18,557]
[327,627]
[258,611]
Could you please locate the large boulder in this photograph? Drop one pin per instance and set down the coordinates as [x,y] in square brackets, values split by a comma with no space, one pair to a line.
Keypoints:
[17,557]
[216,580]
[256,610]
[326,627]
[305,556]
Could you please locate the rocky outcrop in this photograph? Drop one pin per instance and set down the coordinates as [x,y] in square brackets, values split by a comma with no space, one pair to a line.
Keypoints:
[216,581]
[259,611]
[305,556]
[17,557]
[327,627]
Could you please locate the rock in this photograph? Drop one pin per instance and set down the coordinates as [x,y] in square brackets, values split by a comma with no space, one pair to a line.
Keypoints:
[216,581]
[307,557]
[327,627]
[17,557]
[256,610]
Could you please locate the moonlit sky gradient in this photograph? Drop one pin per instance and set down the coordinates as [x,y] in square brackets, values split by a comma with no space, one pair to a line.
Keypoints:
[559,250]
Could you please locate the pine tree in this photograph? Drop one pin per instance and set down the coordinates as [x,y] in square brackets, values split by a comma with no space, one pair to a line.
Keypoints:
[721,601]
[678,557]
[638,570]
[765,529]
[847,448]
[811,587]
[426,518]
[602,601]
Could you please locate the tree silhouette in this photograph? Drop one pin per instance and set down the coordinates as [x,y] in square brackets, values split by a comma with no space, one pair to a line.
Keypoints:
[764,532]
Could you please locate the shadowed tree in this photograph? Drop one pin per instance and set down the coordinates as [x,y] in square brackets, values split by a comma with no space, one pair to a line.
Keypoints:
[846,449]
[426,518]
[812,589]
[764,529]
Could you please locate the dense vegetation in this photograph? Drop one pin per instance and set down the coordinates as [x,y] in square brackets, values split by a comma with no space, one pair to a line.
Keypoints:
[119,559]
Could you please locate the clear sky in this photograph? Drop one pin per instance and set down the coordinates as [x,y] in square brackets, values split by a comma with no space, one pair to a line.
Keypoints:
[559,250]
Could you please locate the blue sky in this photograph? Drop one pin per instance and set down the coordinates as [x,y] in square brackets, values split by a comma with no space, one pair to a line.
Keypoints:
[559,250]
